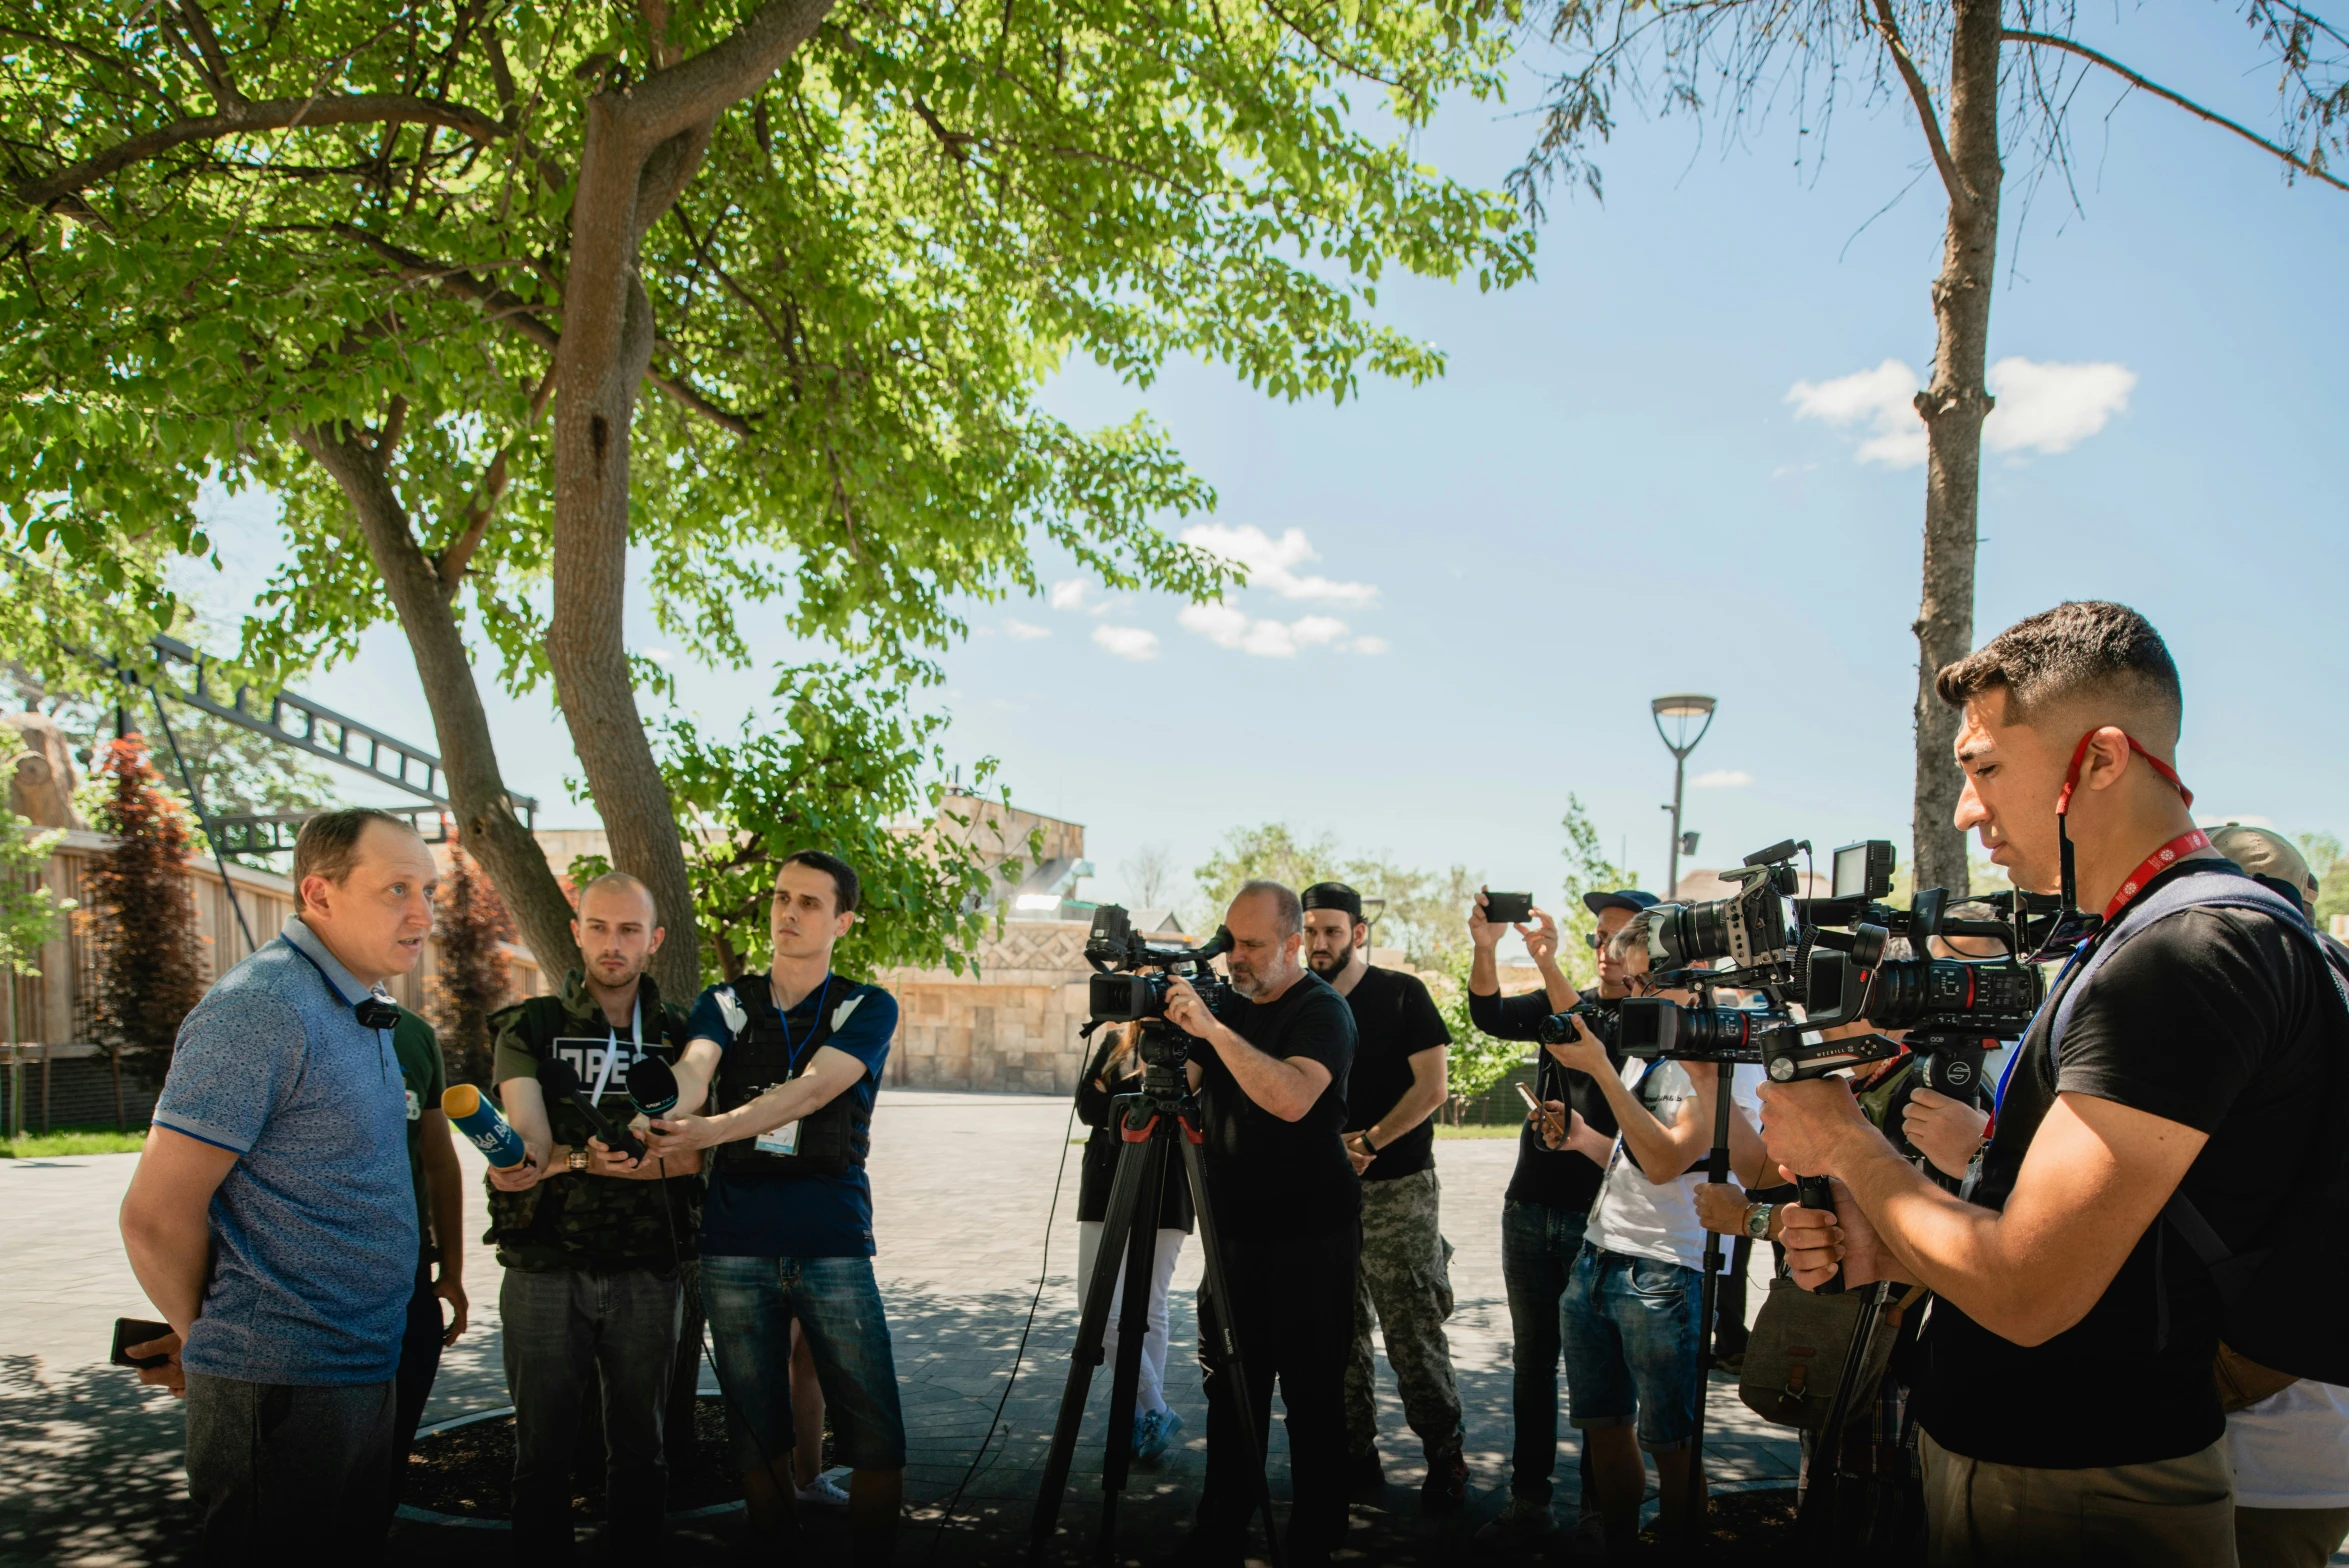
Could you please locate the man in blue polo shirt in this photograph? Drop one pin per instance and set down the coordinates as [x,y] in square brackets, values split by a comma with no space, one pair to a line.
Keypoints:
[272,1219]
[790,1063]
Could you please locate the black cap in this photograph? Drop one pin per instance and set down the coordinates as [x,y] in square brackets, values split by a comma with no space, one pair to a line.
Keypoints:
[1631,898]
[1333,895]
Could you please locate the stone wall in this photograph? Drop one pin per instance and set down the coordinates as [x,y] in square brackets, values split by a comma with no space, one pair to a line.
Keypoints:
[1009,1026]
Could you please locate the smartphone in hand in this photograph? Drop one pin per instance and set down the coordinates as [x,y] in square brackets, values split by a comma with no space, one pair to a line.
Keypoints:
[1508,908]
[137,1331]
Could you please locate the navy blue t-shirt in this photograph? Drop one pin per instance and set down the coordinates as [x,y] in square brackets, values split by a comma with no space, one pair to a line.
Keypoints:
[807,1216]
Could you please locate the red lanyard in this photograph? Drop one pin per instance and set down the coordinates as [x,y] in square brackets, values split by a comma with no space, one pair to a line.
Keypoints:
[2154,865]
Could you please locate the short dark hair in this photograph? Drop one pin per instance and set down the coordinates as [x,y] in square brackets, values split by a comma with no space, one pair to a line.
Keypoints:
[1288,916]
[2079,648]
[328,845]
[845,887]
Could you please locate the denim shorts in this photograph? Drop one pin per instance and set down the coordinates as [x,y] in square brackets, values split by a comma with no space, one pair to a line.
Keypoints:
[1632,1337]
[750,1303]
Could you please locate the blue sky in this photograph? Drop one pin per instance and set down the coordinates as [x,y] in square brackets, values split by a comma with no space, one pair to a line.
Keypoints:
[1632,481]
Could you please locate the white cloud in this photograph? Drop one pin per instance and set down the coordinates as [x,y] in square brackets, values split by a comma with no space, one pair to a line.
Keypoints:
[1228,626]
[2053,408]
[2042,407]
[1128,642]
[1723,778]
[1877,400]
[1069,594]
[1271,563]
[1022,631]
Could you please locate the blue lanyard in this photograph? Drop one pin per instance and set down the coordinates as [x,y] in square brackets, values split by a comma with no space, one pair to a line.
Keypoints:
[1998,1100]
[783,1017]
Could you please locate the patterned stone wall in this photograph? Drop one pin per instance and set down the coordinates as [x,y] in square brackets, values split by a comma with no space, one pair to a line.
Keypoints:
[1009,1027]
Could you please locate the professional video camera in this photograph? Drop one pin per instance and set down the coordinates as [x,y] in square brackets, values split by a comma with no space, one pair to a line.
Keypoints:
[1827,955]
[1134,973]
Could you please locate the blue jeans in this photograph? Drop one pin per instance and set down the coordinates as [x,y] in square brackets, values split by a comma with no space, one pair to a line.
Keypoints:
[751,1303]
[1633,1331]
[1538,1246]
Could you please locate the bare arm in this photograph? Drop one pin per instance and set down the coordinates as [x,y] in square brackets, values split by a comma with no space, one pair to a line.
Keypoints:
[444,1191]
[524,1103]
[2095,1177]
[1287,1086]
[166,1228]
[1429,1071]
[697,1069]
[831,1072]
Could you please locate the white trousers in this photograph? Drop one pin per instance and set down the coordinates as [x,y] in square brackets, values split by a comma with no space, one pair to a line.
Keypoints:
[1150,1391]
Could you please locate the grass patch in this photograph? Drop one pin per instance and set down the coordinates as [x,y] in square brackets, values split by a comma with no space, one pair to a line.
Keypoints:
[72,1140]
[1479,1130]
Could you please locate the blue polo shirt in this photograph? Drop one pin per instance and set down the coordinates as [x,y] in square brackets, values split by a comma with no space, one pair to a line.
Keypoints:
[805,1216]
[314,1235]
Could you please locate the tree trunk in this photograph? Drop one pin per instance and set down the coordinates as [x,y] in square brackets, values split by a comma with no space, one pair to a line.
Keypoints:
[486,823]
[642,147]
[1953,408]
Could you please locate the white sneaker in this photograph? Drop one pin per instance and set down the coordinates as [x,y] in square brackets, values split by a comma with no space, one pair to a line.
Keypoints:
[824,1492]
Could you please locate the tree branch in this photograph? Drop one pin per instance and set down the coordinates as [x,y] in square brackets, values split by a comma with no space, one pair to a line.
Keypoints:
[2069,46]
[275,114]
[706,85]
[449,565]
[1961,195]
[216,71]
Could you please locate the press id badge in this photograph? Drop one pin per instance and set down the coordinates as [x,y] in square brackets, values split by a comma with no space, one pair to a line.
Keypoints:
[779,1140]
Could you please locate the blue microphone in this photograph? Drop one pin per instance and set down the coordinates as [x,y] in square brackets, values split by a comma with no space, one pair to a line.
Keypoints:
[480,1121]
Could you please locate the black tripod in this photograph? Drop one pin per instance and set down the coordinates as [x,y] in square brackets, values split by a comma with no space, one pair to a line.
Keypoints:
[1709,1295]
[1154,1122]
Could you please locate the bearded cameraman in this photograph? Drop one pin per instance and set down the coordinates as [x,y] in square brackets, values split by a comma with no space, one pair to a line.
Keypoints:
[2065,1384]
[1271,1079]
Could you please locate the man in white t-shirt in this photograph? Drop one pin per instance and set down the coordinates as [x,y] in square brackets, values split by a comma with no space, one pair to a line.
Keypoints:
[1634,1333]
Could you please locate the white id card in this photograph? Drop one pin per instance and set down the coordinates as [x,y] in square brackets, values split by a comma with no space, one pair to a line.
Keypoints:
[779,1140]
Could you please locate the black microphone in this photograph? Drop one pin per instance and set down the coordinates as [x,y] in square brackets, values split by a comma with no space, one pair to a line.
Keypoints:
[557,1076]
[652,1086]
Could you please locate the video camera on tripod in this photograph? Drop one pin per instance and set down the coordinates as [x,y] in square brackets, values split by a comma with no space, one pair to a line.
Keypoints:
[1133,974]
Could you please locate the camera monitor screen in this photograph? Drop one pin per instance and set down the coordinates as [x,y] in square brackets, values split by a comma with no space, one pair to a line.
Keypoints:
[1864,870]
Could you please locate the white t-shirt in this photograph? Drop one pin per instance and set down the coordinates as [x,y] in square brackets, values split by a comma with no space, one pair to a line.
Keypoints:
[1637,1216]
[2291,1450]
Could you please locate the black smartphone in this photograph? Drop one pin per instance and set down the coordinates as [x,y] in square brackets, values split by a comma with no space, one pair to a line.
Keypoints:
[137,1331]
[1508,908]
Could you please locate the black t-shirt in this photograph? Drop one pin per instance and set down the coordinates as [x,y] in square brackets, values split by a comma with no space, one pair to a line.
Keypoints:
[1559,1178]
[1268,1177]
[1394,1020]
[2217,1019]
[1096,1109]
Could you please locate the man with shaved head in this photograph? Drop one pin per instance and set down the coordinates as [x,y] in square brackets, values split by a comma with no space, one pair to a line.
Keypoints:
[594,1244]
[1271,1070]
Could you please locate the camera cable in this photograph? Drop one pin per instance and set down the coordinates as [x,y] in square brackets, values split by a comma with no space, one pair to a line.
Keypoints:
[1043,1272]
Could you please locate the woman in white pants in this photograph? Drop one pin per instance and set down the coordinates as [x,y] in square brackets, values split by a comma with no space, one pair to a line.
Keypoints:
[1115,1070]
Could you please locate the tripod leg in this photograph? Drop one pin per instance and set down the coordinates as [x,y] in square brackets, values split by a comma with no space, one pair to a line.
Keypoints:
[1228,1341]
[1140,1269]
[1826,1483]
[1124,1193]
[1708,1298]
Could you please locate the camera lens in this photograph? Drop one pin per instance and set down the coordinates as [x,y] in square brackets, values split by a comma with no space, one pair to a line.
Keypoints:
[1680,935]
[1922,991]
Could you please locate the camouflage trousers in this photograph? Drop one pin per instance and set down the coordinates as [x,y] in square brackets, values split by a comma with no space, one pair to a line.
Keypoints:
[1405,1284]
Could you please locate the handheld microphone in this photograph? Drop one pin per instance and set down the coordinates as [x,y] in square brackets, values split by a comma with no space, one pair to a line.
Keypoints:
[479,1120]
[652,1086]
[557,1076]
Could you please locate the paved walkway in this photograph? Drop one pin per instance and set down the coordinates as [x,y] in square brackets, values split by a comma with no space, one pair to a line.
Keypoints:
[90,1463]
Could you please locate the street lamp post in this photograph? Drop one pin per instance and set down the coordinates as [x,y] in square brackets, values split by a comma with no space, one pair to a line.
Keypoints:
[1683,710]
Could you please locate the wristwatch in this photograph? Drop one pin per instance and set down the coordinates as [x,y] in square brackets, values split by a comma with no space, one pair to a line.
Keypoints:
[576,1160]
[1757,1220]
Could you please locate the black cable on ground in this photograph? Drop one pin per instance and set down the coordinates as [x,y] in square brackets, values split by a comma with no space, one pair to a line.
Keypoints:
[1043,1272]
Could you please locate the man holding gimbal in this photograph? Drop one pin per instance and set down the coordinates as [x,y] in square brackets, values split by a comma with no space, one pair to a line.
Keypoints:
[2066,1387]
[1287,1205]
[594,1243]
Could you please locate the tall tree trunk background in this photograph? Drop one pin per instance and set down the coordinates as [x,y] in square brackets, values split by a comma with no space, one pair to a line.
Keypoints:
[1953,407]
[486,823]
[643,146]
